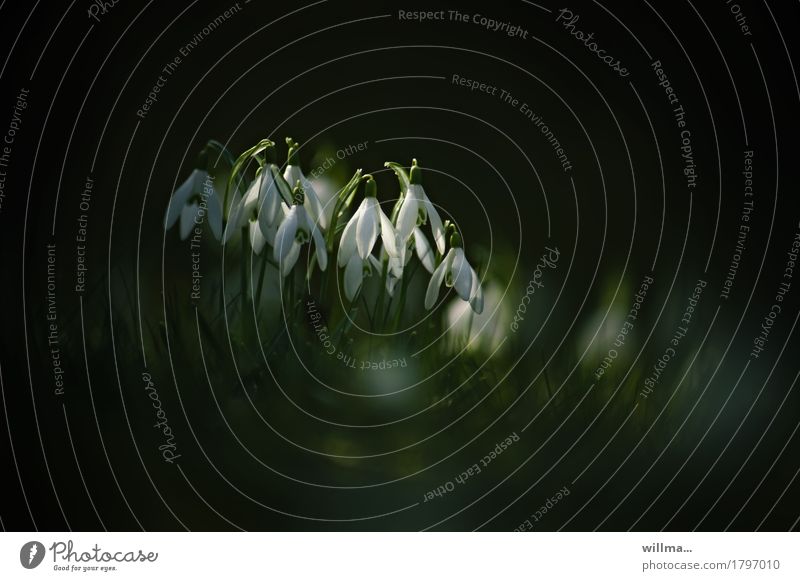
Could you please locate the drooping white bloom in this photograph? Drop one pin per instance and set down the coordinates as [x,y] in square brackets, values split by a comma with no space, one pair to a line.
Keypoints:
[478,332]
[425,253]
[293,174]
[327,192]
[417,243]
[261,210]
[398,262]
[394,267]
[195,202]
[359,237]
[456,272]
[416,209]
[362,230]
[295,230]
[355,272]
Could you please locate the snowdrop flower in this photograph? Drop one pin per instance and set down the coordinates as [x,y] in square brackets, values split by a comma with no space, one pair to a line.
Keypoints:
[295,230]
[396,264]
[355,272]
[359,237]
[478,332]
[416,209]
[424,251]
[327,192]
[368,222]
[195,202]
[417,243]
[395,269]
[294,174]
[260,210]
[456,272]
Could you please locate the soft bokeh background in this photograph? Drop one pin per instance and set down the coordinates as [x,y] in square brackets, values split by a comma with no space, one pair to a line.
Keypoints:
[275,434]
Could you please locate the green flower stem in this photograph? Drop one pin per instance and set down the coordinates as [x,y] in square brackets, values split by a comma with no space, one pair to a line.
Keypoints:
[290,301]
[243,270]
[343,200]
[323,287]
[347,321]
[388,310]
[261,276]
[401,303]
[366,310]
[382,295]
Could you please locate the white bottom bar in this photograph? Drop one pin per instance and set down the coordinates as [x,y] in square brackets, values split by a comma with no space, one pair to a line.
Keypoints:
[400,556]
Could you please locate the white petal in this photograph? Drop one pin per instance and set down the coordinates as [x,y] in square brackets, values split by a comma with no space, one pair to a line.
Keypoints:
[375,263]
[424,250]
[353,276]
[285,237]
[367,228]
[461,275]
[265,183]
[476,294]
[435,283]
[391,282]
[402,250]
[312,203]
[319,246]
[182,195]
[257,239]
[188,215]
[271,230]
[291,258]
[436,223]
[269,198]
[396,267]
[388,235]
[347,244]
[250,201]
[283,188]
[269,233]
[271,215]
[292,175]
[407,217]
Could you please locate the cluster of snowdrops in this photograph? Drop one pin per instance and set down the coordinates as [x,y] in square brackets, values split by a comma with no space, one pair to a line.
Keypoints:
[278,211]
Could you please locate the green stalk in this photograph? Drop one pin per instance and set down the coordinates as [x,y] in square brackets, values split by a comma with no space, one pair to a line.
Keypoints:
[323,286]
[382,294]
[388,310]
[261,275]
[347,320]
[245,247]
[401,303]
[366,310]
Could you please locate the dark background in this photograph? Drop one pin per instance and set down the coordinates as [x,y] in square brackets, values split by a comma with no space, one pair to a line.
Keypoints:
[339,73]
